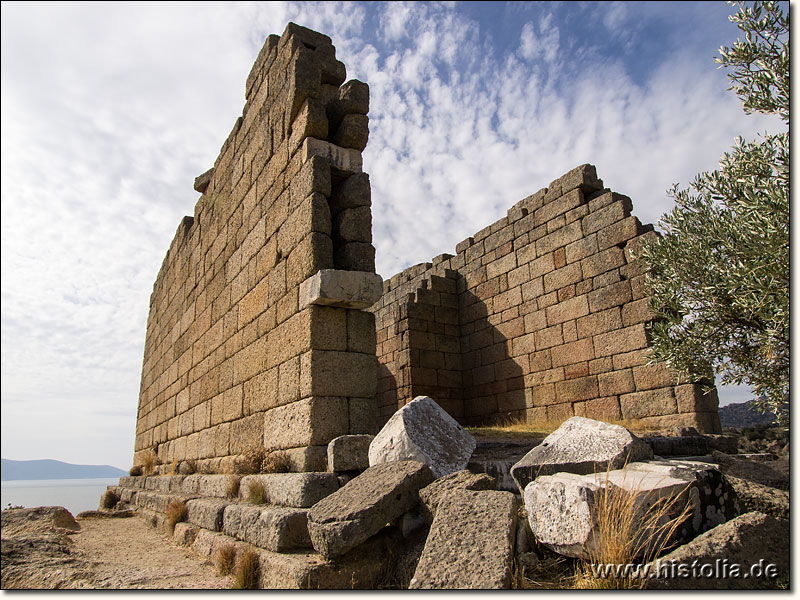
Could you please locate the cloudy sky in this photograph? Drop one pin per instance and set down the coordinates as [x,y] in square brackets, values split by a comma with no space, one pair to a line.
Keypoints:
[109,111]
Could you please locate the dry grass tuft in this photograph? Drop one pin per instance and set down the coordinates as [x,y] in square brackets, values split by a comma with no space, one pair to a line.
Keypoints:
[226,559]
[176,513]
[149,461]
[109,499]
[232,491]
[250,461]
[521,427]
[276,462]
[245,576]
[173,467]
[256,493]
[136,471]
[189,466]
[632,527]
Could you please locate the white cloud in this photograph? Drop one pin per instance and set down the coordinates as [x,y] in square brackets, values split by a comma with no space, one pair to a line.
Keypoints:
[110,111]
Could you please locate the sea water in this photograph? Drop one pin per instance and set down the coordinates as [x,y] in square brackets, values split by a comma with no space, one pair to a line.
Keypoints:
[76,495]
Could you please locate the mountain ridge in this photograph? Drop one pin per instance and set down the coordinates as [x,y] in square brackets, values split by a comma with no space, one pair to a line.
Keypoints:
[14,470]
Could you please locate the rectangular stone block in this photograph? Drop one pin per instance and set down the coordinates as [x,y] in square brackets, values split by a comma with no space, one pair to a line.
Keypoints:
[652,376]
[573,390]
[342,159]
[345,374]
[560,277]
[618,233]
[651,403]
[693,397]
[296,490]
[278,529]
[579,351]
[347,289]
[471,542]
[599,322]
[620,340]
[616,382]
[307,422]
[206,513]
[610,295]
[568,310]
[599,218]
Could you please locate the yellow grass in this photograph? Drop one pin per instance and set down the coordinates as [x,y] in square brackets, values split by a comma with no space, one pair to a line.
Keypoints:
[630,528]
[276,462]
[176,513]
[245,576]
[109,499]
[256,493]
[225,559]
[149,461]
[521,427]
[232,491]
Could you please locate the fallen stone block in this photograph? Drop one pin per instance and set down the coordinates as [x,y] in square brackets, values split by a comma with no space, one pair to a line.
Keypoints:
[580,446]
[432,494]
[748,552]
[364,506]
[349,452]
[566,510]
[751,470]
[273,528]
[297,490]
[361,568]
[470,544]
[206,513]
[761,498]
[422,431]
[40,519]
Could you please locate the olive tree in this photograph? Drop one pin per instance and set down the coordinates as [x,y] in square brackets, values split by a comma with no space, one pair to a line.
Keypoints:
[719,274]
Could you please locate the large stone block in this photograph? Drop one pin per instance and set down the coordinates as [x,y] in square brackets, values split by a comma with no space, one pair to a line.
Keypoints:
[564,508]
[364,506]
[445,486]
[273,528]
[308,422]
[206,513]
[346,289]
[422,431]
[346,160]
[752,551]
[349,452]
[296,490]
[344,374]
[470,544]
[580,446]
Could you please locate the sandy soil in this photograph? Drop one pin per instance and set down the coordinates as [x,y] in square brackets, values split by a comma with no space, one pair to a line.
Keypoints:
[106,553]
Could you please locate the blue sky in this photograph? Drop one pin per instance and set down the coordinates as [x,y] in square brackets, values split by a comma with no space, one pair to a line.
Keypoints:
[109,111]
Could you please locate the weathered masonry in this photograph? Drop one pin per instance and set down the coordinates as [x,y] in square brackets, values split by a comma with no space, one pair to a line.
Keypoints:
[540,316]
[257,333]
[268,326]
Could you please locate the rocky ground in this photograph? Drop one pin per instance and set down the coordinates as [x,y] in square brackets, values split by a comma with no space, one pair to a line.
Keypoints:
[46,548]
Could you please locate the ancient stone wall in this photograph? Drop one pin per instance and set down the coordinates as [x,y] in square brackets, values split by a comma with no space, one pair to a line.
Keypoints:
[551,320]
[256,334]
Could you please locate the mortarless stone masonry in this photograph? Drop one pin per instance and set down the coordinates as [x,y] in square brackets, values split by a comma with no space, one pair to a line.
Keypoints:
[257,333]
[264,316]
[541,316]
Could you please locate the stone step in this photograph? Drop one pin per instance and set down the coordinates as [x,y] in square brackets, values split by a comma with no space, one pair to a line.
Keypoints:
[361,568]
[273,528]
[297,490]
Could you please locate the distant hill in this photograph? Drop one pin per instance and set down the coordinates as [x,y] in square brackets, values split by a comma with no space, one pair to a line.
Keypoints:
[54,469]
[742,414]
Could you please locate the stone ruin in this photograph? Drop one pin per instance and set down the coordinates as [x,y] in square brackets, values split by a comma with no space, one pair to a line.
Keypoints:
[268,326]
[270,330]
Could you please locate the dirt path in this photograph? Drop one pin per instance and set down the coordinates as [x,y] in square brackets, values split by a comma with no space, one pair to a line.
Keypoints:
[46,548]
[128,553]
